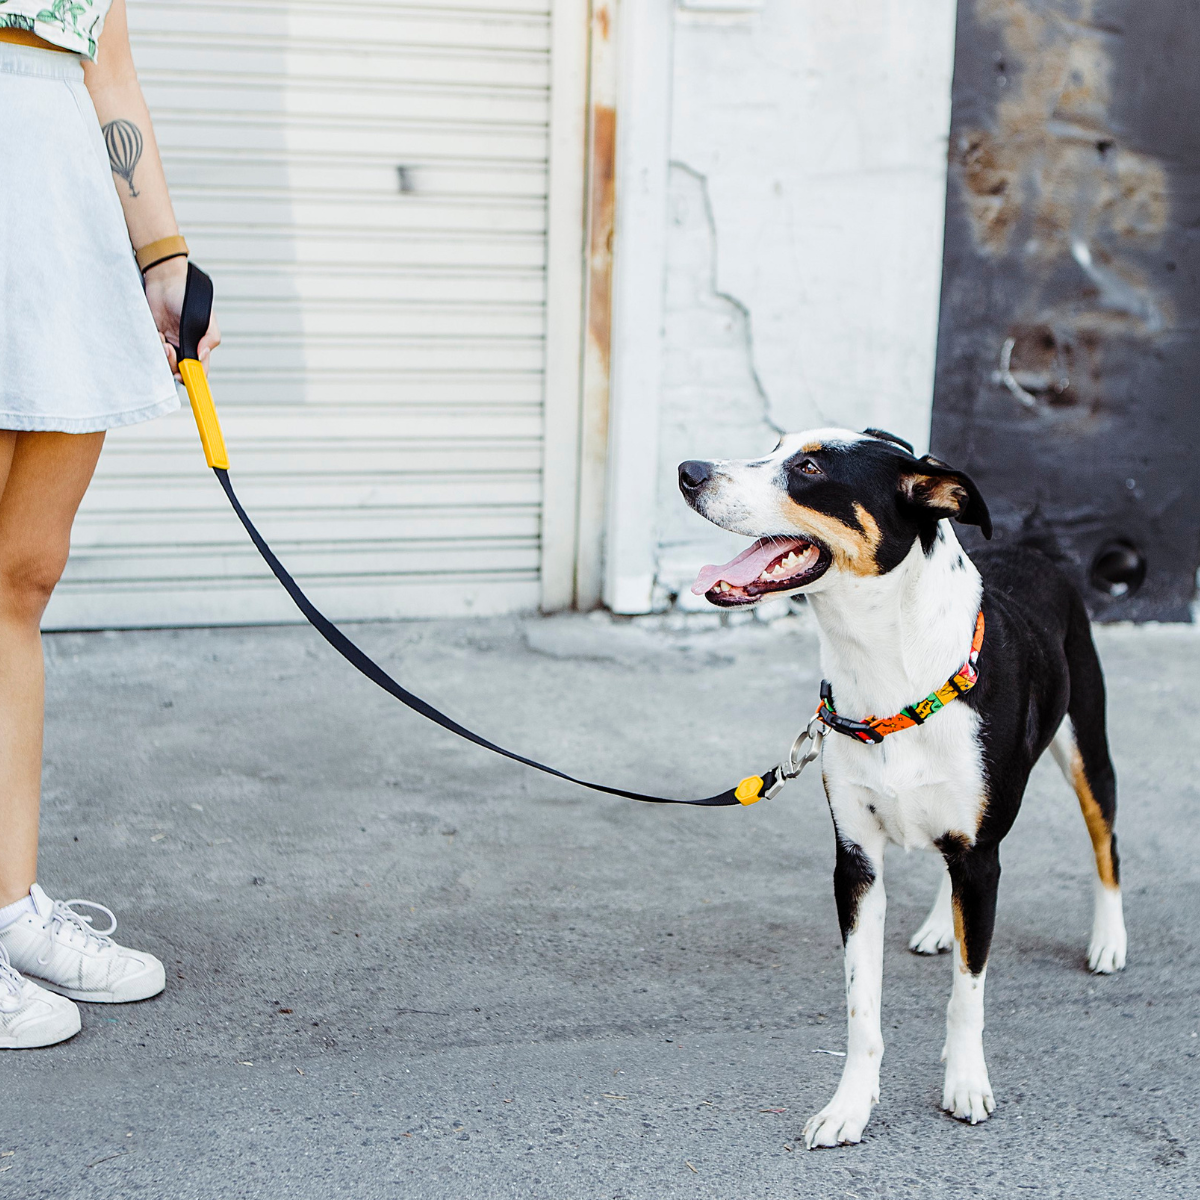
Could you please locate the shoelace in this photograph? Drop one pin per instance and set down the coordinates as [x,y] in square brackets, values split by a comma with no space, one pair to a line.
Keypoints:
[63,916]
[10,978]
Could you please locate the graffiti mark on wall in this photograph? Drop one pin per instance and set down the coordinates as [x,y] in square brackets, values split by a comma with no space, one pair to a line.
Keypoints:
[1053,183]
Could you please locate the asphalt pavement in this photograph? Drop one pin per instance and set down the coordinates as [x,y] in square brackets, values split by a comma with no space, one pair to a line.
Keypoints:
[400,968]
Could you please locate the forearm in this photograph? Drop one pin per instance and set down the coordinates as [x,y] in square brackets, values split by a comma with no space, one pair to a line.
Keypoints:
[138,173]
[133,151]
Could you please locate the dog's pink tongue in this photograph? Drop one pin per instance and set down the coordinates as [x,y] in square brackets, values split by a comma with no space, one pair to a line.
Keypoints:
[748,565]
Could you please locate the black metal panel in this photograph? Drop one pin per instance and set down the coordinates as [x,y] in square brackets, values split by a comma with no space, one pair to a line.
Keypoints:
[1068,356]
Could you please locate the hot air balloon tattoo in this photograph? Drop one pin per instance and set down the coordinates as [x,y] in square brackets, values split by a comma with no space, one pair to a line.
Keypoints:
[124,141]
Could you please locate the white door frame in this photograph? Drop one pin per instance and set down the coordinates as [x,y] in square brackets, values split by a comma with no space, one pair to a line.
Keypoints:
[607,221]
[646,38]
[565,231]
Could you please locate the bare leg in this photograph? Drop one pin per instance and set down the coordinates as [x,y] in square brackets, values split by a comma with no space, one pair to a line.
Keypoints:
[937,930]
[43,477]
[862,907]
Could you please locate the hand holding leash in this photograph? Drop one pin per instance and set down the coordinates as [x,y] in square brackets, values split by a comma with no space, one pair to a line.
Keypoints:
[194,318]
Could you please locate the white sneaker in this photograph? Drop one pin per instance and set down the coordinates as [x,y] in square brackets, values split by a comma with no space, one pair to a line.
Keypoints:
[30,1016]
[59,949]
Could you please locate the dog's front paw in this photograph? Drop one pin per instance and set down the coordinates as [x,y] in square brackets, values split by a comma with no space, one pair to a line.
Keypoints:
[967,1094]
[932,938]
[839,1123]
[1106,955]
[1106,950]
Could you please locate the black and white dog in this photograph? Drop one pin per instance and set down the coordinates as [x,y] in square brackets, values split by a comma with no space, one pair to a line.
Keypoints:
[861,526]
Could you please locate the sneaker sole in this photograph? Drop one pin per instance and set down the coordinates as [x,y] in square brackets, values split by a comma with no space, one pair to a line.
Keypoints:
[151,984]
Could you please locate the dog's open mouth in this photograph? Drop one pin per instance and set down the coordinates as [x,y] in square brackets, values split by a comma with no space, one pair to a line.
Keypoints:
[772,564]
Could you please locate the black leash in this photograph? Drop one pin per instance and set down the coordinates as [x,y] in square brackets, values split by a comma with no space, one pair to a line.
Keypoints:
[193,324]
[362,662]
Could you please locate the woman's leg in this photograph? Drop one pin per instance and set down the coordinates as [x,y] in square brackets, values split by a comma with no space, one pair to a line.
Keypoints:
[43,477]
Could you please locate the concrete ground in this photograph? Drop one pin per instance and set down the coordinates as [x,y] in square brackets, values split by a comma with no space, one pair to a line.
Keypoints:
[402,968]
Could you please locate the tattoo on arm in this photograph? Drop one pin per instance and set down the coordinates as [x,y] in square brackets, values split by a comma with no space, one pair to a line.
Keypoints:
[124,141]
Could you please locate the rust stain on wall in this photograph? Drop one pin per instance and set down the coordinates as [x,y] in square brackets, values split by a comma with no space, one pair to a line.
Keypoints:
[600,241]
[1052,182]
[597,356]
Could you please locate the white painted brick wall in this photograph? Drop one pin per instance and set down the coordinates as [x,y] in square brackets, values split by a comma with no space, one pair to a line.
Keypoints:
[804,234]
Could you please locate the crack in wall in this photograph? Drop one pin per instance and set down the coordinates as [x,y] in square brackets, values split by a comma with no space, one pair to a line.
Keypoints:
[746,322]
[714,403]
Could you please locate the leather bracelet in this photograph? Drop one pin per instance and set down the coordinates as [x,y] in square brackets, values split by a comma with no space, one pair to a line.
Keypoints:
[159,251]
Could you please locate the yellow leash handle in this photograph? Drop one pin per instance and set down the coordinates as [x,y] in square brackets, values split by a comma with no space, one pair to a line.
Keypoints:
[205,412]
[193,325]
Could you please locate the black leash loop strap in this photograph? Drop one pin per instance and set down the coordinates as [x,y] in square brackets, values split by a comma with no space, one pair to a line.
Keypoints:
[193,323]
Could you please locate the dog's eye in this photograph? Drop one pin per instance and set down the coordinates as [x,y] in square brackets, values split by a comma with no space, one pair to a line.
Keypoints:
[808,467]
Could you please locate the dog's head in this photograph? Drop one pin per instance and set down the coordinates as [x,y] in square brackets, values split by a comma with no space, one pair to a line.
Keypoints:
[825,503]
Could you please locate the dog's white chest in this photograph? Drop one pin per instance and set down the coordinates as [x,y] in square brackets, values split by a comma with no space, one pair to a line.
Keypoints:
[916,785]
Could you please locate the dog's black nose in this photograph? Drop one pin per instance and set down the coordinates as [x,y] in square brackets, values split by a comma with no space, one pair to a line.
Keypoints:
[694,475]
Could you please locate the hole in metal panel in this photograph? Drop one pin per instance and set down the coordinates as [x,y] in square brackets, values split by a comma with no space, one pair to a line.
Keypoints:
[1118,569]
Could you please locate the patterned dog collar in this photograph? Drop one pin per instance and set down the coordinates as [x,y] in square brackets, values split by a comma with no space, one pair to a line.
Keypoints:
[875,729]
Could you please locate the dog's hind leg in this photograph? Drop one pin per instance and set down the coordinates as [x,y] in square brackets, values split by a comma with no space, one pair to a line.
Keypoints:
[1096,790]
[1080,747]
[937,930]
[975,878]
[861,905]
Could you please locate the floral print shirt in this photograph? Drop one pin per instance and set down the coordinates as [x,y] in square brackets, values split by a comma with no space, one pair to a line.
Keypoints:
[72,24]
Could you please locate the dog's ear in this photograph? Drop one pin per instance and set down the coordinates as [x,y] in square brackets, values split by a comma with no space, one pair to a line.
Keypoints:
[884,436]
[937,488]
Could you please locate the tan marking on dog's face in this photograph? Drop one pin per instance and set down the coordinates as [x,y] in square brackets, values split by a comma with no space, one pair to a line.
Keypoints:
[853,549]
[811,447]
[1098,828]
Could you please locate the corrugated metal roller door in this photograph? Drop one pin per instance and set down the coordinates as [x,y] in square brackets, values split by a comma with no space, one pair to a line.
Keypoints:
[381,378]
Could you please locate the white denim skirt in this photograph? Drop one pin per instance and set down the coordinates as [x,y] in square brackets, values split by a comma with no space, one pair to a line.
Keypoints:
[78,348]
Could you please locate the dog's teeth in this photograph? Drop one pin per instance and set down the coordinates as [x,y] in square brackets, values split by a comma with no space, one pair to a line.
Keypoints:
[790,564]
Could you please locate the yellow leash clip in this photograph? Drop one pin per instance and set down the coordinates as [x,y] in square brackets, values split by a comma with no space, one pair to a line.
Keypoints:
[754,788]
[749,791]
